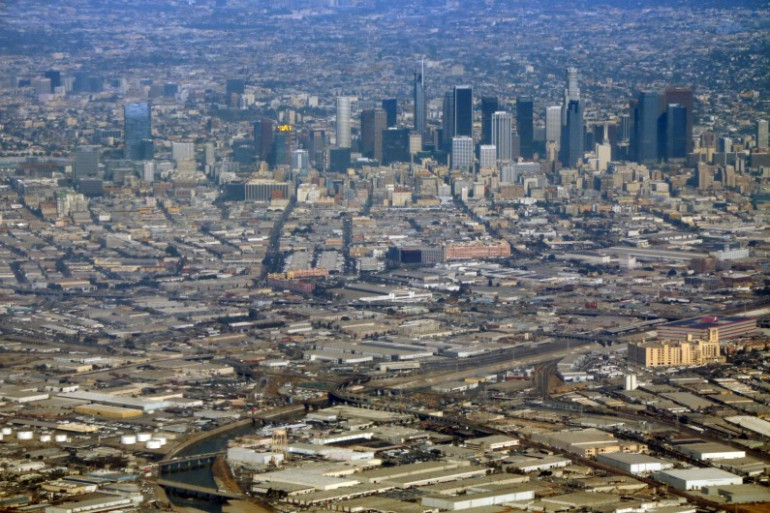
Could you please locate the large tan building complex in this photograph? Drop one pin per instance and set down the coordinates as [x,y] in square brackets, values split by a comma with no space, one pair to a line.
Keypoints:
[676,354]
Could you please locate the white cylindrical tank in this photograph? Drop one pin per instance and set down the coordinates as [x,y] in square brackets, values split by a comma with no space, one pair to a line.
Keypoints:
[161,439]
[45,437]
[143,437]
[153,444]
[60,438]
[7,431]
[128,439]
[25,435]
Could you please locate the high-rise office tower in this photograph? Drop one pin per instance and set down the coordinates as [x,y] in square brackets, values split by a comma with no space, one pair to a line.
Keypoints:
[318,148]
[571,92]
[502,127]
[676,131]
[390,106]
[343,122]
[463,111]
[487,156]
[86,162]
[553,124]
[137,131]
[300,162]
[645,139]
[55,77]
[264,131]
[573,135]
[686,98]
[462,152]
[573,87]
[373,122]
[489,105]
[526,125]
[420,107]
[395,145]
[284,142]
[448,121]
[762,134]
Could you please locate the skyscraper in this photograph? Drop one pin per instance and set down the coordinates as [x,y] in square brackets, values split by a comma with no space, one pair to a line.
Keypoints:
[489,105]
[390,106]
[502,127]
[676,131]
[526,125]
[419,100]
[462,152]
[553,124]
[284,141]
[448,121]
[487,156]
[646,119]
[463,111]
[573,135]
[762,134]
[684,97]
[263,138]
[571,92]
[373,122]
[573,87]
[343,122]
[137,131]
[395,145]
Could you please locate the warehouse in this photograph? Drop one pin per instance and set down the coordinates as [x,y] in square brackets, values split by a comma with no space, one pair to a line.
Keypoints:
[697,478]
[92,503]
[492,443]
[442,476]
[634,463]
[415,469]
[712,451]
[706,328]
[147,405]
[108,412]
[515,493]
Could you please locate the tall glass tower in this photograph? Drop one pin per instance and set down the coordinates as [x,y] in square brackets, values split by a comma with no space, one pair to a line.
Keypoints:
[489,105]
[419,100]
[463,110]
[502,138]
[137,131]
[525,123]
[573,135]
[646,118]
[343,122]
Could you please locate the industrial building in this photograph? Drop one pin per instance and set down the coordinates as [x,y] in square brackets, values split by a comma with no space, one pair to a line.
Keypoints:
[587,442]
[91,503]
[513,493]
[712,451]
[634,463]
[706,328]
[697,478]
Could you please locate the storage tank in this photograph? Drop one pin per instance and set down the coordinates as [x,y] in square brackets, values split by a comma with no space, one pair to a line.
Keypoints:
[128,439]
[143,437]
[161,439]
[25,435]
[152,444]
[45,437]
[7,431]
[60,438]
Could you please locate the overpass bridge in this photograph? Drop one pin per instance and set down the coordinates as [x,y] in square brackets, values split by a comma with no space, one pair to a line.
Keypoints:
[199,492]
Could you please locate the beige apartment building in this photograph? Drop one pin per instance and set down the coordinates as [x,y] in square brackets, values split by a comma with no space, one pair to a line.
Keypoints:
[676,354]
